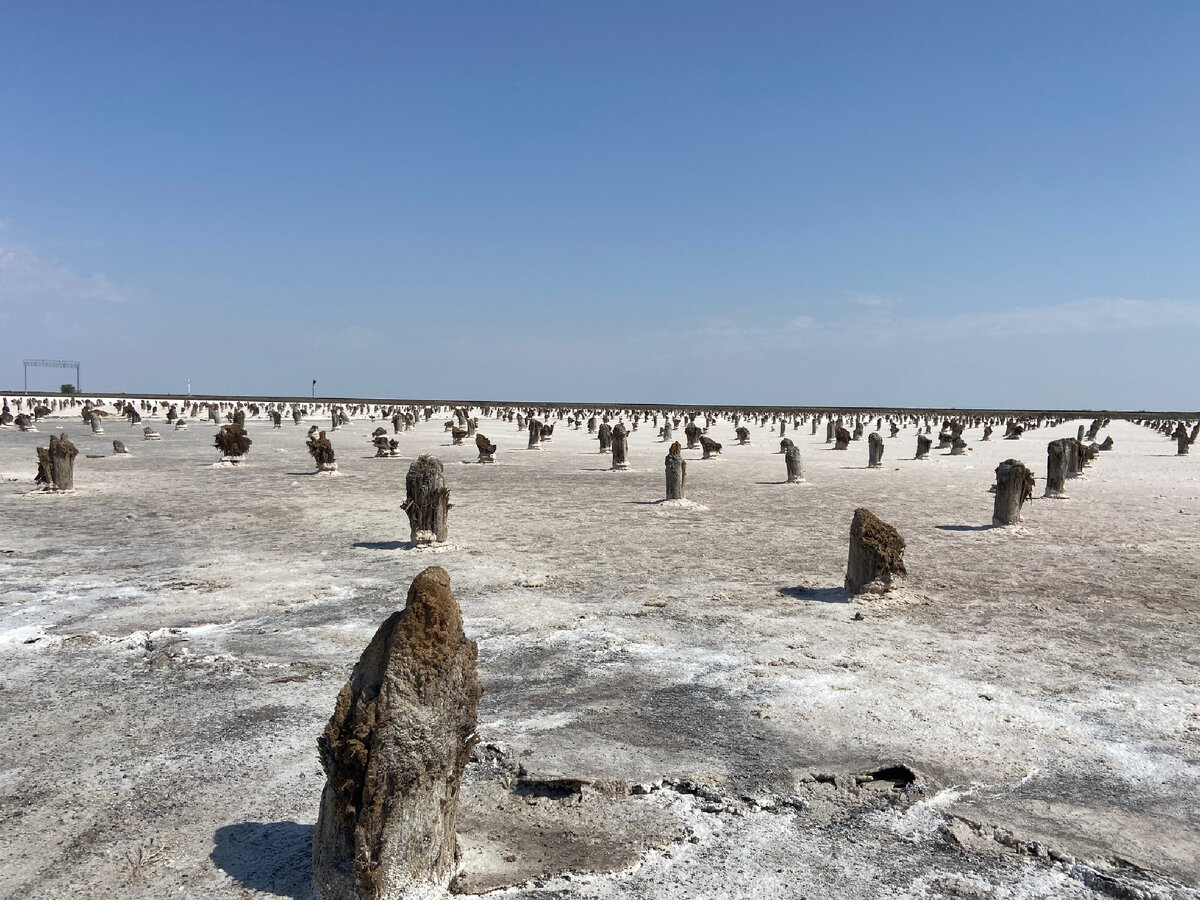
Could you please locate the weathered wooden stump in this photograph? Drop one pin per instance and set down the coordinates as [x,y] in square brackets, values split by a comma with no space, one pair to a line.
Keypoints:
[987,433]
[858,432]
[1108,443]
[321,450]
[923,445]
[97,425]
[233,442]
[456,435]
[605,436]
[427,500]
[794,464]
[676,472]
[119,447]
[534,427]
[785,444]
[692,433]
[874,450]
[895,429]
[297,416]
[1058,458]
[547,432]
[876,555]
[487,450]
[1182,441]
[1014,485]
[710,447]
[180,425]
[743,435]
[149,434]
[394,753]
[385,447]
[666,431]
[276,419]
[958,447]
[56,464]
[843,439]
[829,431]
[23,422]
[1074,458]
[620,448]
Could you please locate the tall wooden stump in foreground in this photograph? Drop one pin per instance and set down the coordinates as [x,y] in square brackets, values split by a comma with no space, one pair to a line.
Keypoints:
[56,464]
[874,451]
[876,555]
[1058,455]
[620,448]
[924,442]
[676,472]
[795,466]
[1014,485]
[427,500]
[394,753]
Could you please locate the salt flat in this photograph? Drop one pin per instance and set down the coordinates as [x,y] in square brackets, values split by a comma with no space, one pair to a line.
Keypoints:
[173,635]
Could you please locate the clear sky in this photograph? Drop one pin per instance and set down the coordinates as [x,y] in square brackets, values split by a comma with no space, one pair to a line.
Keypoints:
[954,203]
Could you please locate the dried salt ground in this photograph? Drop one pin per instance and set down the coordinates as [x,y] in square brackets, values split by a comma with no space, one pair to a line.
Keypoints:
[172,638]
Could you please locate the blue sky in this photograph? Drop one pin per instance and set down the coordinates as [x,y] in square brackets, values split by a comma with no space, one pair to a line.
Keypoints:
[764,203]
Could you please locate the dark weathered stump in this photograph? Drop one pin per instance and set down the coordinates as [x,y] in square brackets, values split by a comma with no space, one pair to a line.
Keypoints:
[394,753]
[56,464]
[1108,443]
[605,436]
[895,429]
[456,435]
[876,555]
[666,432]
[119,447]
[534,427]
[1074,458]
[1182,442]
[427,500]
[710,447]
[830,431]
[785,444]
[987,433]
[1058,458]
[743,435]
[321,450]
[276,419]
[487,450]
[620,448]
[923,445]
[297,417]
[676,472]
[874,451]
[958,447]
[24,423]
[97,425]
[692,433]
[843,439]
[233,442]
[794,464]
[1014,485]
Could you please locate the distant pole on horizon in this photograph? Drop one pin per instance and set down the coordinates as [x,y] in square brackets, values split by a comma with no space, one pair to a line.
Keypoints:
[189,387]
[314,389]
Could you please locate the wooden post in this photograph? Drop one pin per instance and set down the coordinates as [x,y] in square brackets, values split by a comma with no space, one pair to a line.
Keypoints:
[676,472]
[605,436]
[119,448]
[1014,485]
[692,433]
[534,427]
[487,450]
[874,451]
[427,500]
[829,431]
[843,439]
[958,447]
[876,555]
[620,448]
[56,464]
[743,435]
[923,445]
[1058,455]
[97,426]
[794,464]
[1182,441]
[394,751]
[711,448]
[321,450]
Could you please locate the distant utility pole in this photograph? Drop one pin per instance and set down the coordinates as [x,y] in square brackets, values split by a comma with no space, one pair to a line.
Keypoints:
[314,389]
[189,387]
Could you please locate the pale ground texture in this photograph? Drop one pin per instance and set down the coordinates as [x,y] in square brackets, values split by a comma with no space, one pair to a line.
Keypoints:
[680,702]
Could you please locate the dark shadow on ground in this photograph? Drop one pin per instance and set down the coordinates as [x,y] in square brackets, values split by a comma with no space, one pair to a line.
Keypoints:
[965,527]
[273,857]
[383,545]
[817,595]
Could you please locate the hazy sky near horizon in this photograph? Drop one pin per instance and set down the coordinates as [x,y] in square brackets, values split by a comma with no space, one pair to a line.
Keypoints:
[971,204]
